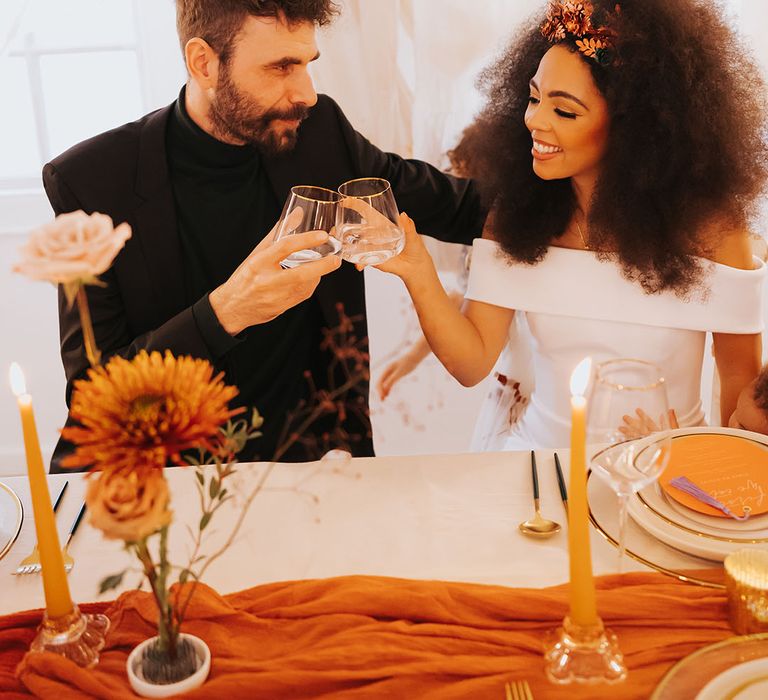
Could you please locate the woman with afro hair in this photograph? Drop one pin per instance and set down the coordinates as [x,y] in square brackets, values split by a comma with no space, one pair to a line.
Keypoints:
[622,157]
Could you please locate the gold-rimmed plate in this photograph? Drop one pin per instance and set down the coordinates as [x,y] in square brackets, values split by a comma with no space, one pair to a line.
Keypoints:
[729,464]
[712,541]
[643,547]
[11,517]
[657,499]
[691,675]
[747,532]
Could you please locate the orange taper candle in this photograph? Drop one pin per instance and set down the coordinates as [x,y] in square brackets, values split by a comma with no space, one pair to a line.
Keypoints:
[58,602]
[582,586]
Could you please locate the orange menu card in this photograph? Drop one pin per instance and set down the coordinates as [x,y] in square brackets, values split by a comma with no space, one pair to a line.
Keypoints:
[732,469]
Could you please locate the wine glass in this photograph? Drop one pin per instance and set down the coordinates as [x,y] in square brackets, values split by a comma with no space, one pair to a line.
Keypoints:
[317,207]
[629,415]
[367,222]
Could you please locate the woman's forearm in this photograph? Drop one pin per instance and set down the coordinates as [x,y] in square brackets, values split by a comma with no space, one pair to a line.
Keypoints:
[730,388]
[738,362]
[467,345]
[454,339]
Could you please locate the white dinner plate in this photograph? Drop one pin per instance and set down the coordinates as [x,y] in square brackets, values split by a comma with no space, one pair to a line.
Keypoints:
[747,681]
[11,517]
[657,500]
[755,523]
[673,526]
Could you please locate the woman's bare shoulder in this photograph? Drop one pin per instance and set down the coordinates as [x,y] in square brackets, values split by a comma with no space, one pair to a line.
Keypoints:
[728,243]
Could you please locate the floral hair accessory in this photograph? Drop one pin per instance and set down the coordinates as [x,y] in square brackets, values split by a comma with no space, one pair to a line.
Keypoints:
[569,19]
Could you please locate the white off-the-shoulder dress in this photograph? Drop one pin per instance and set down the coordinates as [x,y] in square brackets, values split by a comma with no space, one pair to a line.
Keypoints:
[575,305]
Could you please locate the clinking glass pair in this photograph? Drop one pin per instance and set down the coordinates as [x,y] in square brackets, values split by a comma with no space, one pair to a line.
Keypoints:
[361,219]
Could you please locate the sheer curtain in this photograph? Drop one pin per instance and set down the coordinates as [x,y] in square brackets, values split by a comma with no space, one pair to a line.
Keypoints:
[404,71]
[361,69]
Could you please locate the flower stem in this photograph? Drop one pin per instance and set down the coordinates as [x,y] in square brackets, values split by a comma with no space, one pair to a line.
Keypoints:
[157,581]
[91,351]
[287,440]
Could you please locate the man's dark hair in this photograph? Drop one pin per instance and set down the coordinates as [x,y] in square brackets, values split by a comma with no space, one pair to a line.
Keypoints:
[219,22]
[761,389]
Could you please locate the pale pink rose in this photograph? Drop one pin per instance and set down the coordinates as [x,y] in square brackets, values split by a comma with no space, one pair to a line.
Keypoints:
[128,505]
[72,249]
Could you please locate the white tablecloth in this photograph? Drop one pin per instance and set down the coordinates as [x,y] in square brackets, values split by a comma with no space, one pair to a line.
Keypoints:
[449,517]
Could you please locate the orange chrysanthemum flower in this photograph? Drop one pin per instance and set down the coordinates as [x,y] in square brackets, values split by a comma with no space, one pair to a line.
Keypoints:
[142,413]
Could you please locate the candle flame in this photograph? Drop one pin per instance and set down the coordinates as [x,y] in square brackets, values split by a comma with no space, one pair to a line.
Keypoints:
[580,377]
[16,377]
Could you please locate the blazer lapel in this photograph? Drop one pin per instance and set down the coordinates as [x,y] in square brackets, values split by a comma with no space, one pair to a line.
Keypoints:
[156,219]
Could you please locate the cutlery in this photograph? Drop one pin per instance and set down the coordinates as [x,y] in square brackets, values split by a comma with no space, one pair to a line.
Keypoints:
[538,526]
[517,690]
[561,483]
[69,562]
[31,563]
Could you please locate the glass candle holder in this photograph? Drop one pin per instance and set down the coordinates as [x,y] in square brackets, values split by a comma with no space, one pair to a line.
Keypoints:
[746,582]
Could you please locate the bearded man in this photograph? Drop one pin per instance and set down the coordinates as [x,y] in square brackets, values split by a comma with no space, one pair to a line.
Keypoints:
[202,182]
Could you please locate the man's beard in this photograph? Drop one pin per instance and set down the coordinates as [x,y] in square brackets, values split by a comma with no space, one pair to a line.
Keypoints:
[235,115]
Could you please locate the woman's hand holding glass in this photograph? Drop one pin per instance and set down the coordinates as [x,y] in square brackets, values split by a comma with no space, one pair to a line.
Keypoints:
[413,256]
[362,224]
[367,222]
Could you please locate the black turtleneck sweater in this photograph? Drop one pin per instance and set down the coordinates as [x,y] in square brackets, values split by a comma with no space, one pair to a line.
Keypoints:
[225,205]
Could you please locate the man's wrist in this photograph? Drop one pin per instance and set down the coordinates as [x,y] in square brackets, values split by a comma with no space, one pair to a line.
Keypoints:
[219,306]
[216,338]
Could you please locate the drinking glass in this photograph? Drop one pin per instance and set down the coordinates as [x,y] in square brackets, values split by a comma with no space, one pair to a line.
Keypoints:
[628,415]
[367,222]
[318,213]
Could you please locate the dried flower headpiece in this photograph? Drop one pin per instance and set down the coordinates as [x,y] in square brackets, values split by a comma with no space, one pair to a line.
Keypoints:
[570,19]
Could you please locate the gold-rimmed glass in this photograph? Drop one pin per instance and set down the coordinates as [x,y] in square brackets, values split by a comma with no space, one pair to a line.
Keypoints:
[368,222]
[629,418]
[642,547]
[309,208]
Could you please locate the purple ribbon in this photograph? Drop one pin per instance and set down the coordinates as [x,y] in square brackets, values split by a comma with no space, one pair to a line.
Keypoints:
[687,486]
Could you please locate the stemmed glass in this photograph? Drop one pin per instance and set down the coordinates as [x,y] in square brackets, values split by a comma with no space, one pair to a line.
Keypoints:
[629,415]
[367,222]
[309,208]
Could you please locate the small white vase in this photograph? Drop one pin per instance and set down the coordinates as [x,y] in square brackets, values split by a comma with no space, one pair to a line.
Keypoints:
[148,689]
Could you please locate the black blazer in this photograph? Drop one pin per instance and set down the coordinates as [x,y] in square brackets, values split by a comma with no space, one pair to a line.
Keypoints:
[124,173]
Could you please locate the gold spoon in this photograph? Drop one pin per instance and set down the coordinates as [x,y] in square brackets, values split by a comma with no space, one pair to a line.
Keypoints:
[538,526]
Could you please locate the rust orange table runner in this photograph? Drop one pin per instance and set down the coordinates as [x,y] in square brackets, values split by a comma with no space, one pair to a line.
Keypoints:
[373,637]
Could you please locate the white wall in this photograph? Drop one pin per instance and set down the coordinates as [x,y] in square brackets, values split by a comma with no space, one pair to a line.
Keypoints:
[30,336]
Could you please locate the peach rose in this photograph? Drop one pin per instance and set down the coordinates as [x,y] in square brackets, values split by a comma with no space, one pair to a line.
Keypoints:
[126,505]
[73,249]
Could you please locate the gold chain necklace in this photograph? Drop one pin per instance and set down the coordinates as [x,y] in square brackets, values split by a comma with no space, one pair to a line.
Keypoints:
[581,235]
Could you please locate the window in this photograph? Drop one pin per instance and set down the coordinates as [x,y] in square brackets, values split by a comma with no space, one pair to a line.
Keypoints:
[71,70]
[68,79]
